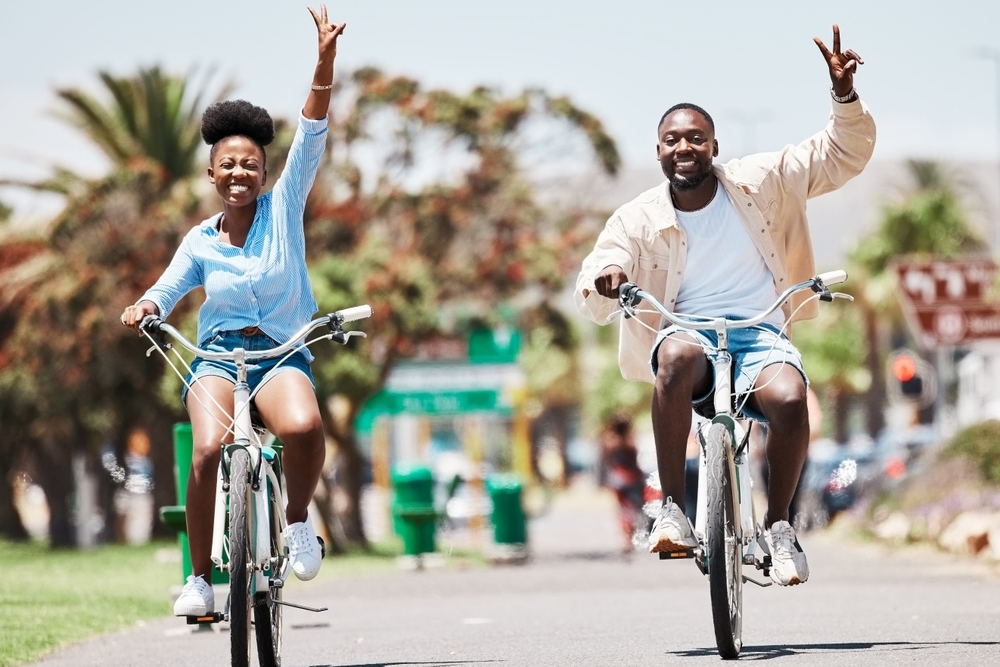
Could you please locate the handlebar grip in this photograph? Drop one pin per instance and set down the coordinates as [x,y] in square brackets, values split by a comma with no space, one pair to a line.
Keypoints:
[355,313]
[151,324]
[833,277]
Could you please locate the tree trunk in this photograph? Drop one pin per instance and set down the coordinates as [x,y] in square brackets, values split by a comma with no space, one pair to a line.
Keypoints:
[841,406]
[345,476]
[350,466]
[11,526]
[55,476]
[160,428]
[324,498]
[875,398]
[106,487]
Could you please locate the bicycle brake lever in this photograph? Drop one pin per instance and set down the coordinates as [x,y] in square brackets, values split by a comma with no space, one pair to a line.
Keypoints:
[627,299]
[842,295]
[343,336]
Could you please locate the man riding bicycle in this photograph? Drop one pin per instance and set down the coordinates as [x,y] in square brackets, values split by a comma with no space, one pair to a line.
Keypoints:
[725,240]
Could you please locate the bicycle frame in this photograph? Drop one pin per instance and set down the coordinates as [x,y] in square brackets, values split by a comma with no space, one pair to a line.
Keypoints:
[263,459]
[747,529]
[726,523]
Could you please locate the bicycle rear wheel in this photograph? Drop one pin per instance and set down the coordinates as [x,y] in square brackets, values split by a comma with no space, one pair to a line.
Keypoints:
[725,552]
[267,604]
[240,559]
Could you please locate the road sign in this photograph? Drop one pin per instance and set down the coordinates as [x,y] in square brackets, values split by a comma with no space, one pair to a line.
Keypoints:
[947,301]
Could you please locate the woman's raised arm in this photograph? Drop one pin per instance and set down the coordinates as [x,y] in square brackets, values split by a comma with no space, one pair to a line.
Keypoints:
[318,103]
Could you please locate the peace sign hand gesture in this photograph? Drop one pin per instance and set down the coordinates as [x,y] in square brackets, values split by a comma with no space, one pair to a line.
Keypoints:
[842,65]
[328,33]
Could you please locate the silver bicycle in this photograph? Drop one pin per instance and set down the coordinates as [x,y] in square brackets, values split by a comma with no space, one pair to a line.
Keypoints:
[247,537]
[726,525]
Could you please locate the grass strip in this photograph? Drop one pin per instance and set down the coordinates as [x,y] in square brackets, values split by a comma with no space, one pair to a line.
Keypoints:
[57,597]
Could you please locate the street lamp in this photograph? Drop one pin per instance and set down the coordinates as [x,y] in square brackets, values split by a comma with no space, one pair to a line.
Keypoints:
[993,54]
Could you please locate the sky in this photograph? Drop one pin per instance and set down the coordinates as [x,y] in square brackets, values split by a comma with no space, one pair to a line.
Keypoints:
[752,65]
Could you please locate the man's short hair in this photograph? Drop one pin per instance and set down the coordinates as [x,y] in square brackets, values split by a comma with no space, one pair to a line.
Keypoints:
[686,105]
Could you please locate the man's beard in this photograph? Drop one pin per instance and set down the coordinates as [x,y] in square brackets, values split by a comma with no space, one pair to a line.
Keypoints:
[684,182]
[687,182]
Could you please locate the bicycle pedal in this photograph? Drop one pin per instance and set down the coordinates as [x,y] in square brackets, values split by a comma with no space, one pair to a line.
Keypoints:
[214,617]
[322,547]
[677,555]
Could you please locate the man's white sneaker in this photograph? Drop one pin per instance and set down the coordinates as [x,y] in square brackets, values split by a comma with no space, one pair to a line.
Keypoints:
[196,599]
[671,530]
[304,550]
[788,562]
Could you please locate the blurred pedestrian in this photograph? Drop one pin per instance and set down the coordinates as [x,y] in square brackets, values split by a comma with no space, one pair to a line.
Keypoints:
[621,473]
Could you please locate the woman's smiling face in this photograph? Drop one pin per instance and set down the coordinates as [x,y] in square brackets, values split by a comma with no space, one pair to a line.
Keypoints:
[237,170]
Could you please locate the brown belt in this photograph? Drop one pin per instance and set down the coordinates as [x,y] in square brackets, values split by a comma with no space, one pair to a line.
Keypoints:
[250,331]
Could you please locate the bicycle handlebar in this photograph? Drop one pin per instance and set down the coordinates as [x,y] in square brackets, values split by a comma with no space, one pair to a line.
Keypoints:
[152,324]
[629,296]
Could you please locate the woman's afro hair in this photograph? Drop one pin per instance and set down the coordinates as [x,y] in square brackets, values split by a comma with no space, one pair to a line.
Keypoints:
[237,118]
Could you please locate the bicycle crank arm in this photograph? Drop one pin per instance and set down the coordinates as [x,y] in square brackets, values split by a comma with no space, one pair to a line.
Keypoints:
[299,606]
[763,584]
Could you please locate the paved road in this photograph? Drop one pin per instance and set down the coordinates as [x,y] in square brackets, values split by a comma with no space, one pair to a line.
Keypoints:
[580,604]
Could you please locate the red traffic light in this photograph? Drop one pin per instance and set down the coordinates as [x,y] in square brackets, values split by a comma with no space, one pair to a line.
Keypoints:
[904,368]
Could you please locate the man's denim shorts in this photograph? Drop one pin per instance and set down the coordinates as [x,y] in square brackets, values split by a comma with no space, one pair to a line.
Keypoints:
[257,373]
[752,350]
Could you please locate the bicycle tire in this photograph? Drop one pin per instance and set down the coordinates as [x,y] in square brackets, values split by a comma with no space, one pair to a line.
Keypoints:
[240,559]
[725,553]
[266,604]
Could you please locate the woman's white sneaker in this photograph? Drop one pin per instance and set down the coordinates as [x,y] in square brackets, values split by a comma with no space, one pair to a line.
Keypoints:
[788,562]
[304,549]
[196,599]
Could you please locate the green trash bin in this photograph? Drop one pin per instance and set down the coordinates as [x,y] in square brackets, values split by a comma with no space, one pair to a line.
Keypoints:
[413,515]
[509,521]
[175,516]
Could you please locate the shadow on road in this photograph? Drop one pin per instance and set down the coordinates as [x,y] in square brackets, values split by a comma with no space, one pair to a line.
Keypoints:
[433,663]
[783,650]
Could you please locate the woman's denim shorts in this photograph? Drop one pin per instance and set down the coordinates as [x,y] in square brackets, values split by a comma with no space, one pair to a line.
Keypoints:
[752,350]
[257,372]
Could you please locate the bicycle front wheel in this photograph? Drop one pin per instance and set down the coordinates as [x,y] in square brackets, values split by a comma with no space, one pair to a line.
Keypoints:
[240,559]
[267,604]
[725,552]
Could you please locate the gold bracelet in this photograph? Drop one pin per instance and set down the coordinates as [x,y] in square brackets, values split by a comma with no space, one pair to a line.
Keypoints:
[322,87]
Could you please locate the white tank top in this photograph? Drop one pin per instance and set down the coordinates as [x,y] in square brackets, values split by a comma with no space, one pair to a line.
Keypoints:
[725,273]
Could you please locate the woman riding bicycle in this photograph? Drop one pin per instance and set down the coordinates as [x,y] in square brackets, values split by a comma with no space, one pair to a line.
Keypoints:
[250,259]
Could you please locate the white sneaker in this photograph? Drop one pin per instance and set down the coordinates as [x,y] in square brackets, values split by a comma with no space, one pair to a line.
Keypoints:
[671,531]
[304,550]
[788,562]
[196,599]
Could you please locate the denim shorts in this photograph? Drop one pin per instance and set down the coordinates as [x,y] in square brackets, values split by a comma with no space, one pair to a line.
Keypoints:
[752,350]
[257,372]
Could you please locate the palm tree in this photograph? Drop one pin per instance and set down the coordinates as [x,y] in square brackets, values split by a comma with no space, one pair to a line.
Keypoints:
[151,116]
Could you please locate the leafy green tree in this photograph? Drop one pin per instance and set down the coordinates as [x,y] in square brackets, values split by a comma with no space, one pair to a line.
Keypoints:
[71,378]
[930,220]
[833,352]
[425,211]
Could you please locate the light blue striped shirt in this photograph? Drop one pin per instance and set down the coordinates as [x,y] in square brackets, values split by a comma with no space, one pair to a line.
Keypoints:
[265,283]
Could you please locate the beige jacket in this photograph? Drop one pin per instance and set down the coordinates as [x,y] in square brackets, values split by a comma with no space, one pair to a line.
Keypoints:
[769,191]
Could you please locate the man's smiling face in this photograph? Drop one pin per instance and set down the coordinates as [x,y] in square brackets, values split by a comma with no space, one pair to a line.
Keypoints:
[685,148]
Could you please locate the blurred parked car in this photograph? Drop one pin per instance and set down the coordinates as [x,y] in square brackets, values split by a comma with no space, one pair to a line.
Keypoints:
[831,482]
